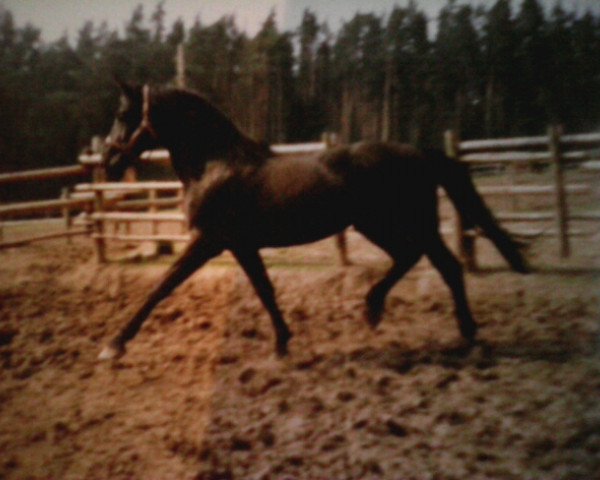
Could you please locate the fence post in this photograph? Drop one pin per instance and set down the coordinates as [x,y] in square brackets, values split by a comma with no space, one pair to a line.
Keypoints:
[99,227]
[562,214]
[98,171]
[181,205]
[512,179]
[152,196]
[66,212]
[329,139]
[465,244]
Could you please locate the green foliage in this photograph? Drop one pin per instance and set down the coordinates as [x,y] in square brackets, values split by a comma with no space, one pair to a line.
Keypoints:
[494,71]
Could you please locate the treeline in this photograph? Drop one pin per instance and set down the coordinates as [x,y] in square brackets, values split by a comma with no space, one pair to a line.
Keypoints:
[505,70]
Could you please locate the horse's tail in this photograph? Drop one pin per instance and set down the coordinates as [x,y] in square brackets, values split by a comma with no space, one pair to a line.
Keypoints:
[457,182]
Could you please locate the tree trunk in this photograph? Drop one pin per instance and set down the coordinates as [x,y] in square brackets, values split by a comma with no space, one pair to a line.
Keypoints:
[387,114]
[489,108]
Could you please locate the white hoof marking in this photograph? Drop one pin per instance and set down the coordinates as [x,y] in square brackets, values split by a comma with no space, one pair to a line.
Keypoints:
[111,353]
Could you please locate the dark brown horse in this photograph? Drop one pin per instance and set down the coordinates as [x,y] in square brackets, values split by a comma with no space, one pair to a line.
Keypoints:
[240,197]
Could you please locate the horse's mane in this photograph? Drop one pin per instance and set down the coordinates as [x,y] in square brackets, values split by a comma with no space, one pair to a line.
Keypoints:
[221,136]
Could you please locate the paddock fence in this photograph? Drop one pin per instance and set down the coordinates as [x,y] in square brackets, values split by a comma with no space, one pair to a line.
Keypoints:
[150,211]
[536,186]
[129,211]
[544,186]
[12,214]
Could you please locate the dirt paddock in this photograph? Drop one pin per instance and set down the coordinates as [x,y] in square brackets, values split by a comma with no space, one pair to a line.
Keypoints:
[199,394]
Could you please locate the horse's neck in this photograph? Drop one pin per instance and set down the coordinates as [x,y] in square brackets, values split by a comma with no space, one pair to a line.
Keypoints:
[194,141]
[204,170]
[192,165]
[185,170]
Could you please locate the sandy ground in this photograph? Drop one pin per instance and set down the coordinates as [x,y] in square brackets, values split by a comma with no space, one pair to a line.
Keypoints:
[199,394]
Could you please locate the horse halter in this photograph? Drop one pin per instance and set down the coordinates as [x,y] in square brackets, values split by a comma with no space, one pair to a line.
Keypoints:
[146,124]
[144,127]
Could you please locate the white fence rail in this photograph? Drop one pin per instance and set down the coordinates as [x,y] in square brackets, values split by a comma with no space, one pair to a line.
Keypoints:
[162,156]
[109,214]
[111,202]
[554,150]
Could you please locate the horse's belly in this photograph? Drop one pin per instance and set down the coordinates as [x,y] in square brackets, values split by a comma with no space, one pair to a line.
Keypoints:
[304,205]
[296,227]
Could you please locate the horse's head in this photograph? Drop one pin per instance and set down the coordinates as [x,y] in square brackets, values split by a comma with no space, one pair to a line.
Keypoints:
[131,133]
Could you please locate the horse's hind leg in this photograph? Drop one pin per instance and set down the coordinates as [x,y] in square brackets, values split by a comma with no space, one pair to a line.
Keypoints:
[404,260]
[451,270]
[197,254]
[255,269]
[405,255]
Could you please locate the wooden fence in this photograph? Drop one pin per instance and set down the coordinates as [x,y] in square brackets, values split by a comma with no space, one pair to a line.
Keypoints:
[108,203]
[555,154]
[161,156]
[63,206]
[115,213]
[113,208]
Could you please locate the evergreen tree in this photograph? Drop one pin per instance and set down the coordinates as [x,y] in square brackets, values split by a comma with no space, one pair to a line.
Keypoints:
[499,52]
[559,94]
[584,78]
[406,95]
[273,53]
[458,60]
[532,58]
[308,34]
[359,57]
[312,109]
[488,72]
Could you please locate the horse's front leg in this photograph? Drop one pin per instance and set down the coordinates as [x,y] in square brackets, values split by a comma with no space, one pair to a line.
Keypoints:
[197,253]
[254,267]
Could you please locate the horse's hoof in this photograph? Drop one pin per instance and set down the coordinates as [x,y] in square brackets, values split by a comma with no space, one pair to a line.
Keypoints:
[281,346]
[374,318]
[469,332]
[112,352]
[374,312]
[282,351]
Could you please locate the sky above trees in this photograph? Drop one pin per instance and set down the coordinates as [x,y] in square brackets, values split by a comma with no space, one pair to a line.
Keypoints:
[57,17]
[509,69]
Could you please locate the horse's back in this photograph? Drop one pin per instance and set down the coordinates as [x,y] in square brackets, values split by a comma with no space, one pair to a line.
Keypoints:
[389,185]
[285,200]
[373,169]
[294,177]
[378,164]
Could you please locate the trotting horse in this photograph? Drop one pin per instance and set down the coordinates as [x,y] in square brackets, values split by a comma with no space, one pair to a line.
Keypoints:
[240,197]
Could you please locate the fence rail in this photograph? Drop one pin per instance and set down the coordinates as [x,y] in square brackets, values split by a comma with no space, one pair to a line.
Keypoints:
[64,205]
[527,157]
[43,174]
[104,211]
[41,206]
[520,143]
[128,186]
[120,203]
[47,236]
[555,150]
[572,189]
[162,156]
